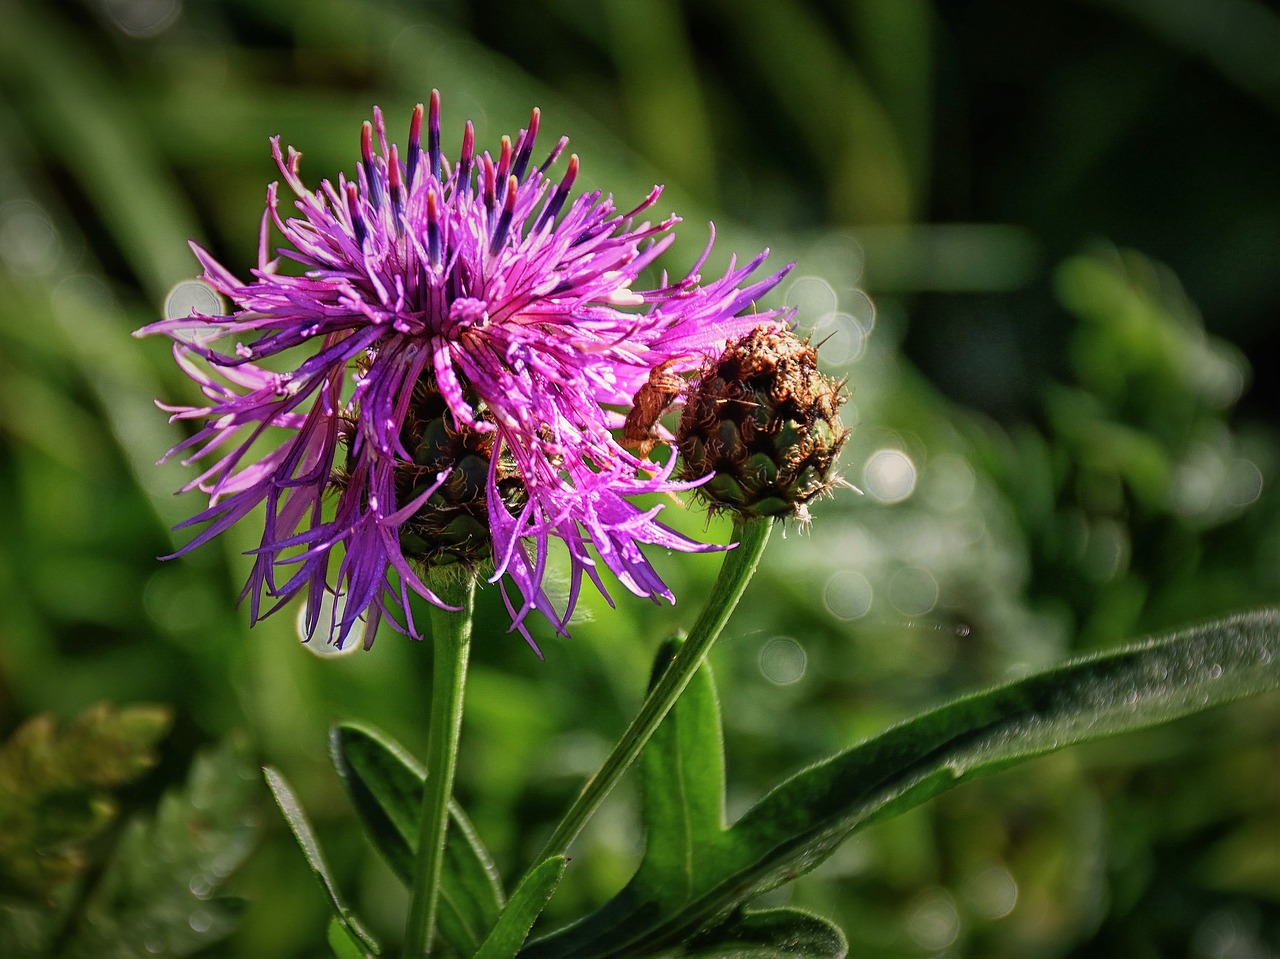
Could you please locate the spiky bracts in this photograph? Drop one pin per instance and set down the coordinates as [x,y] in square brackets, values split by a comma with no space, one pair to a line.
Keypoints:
[765,422]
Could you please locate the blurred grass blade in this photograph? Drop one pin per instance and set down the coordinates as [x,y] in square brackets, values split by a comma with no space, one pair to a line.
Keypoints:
[110,155]
[300,826]
[523,909]
[772,934]
[385,785]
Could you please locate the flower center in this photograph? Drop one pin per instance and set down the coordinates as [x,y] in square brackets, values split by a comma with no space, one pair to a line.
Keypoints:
[452,525]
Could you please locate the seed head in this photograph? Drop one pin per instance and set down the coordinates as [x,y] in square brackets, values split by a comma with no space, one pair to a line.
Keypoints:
[763,422]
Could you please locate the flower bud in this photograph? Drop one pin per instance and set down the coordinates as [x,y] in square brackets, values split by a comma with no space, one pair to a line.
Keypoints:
[764,422]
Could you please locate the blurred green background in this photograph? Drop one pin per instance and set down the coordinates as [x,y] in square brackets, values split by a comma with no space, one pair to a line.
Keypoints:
[1067,216]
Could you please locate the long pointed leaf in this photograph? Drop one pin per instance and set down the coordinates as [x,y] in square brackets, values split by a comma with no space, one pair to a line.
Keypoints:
[683,777]
[801,822]
[385,783]
[525,906]
[804,819]
[303,832]
[772,934]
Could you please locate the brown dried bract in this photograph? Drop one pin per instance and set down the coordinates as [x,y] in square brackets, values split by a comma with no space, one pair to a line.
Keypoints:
[652,400]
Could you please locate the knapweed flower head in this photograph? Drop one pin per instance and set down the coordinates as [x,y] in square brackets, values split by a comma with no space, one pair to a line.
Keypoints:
[448,375]
[763,423]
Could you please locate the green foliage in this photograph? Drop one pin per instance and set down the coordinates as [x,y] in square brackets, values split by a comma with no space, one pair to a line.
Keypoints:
[385,784]
[154,889]
[159,893]
[1092,459]
[523,909]
[351,934]
[695,871]
[57,791]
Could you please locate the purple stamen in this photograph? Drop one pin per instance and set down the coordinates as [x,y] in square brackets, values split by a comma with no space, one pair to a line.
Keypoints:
[433,134]
[504,159]
[396,187]
[554,154]
[526,145]
[433,228]
[353,211]
[468,148]
[381,127]
[490,182]
[373,182]
[552,209]
[504,221]
[415,142]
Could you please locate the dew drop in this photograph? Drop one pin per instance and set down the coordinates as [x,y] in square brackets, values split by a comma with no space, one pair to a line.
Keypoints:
[318,643]
[200,921]
[193,296]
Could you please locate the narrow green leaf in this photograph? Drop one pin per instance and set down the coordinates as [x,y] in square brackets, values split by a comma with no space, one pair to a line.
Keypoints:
[683,780]
[303,832]
[523,909]
[802,821]
[682,765]
[300,826]
[344,942]
[386,784]
[771,934]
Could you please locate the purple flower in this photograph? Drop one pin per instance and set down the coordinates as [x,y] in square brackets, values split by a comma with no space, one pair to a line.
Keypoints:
[478,287]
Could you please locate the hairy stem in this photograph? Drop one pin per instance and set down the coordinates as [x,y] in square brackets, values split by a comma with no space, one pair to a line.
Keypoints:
[739,565]
[451,644]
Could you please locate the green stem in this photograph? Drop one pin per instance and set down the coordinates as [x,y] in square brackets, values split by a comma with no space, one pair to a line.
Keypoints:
[450,643]
[739,565]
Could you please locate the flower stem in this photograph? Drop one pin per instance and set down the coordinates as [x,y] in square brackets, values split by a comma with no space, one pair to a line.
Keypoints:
[451,644]
[739,565]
